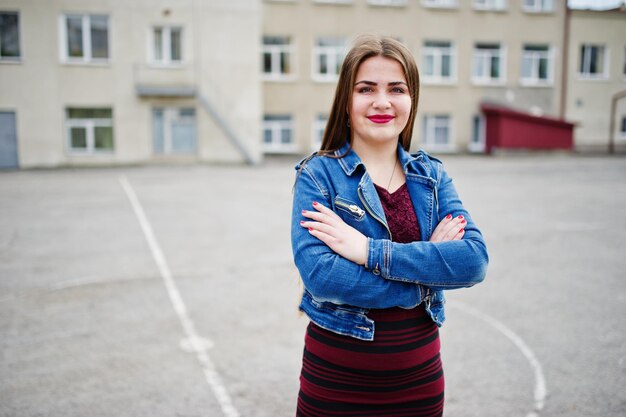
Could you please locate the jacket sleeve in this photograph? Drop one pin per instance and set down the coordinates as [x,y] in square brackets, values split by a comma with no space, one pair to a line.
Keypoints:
[440,265]
[330,277]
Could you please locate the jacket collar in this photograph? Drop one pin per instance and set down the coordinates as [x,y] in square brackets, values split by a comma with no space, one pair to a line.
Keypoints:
[351,161]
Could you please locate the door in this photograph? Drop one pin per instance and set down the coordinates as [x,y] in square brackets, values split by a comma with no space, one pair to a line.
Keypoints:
[8,141]
[174,130]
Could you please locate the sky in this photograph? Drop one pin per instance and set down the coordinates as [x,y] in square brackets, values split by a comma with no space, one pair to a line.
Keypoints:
[594,4]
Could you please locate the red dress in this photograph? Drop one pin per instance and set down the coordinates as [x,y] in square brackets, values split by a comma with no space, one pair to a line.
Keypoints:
[399,373]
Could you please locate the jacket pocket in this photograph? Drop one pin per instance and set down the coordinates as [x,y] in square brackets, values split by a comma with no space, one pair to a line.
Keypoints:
[350,208]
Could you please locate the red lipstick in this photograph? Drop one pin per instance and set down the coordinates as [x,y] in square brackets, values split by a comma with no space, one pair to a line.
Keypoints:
[381,118]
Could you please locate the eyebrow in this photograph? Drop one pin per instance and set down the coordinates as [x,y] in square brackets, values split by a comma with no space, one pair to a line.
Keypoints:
[393,83]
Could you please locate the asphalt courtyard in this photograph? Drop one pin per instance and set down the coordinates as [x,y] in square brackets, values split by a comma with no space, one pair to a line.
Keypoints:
[170,291]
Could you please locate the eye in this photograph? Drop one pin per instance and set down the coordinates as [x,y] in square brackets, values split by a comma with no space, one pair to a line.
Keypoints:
[398,90]
[366,89]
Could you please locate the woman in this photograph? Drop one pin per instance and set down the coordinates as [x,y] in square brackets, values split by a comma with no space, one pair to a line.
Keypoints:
[377,234]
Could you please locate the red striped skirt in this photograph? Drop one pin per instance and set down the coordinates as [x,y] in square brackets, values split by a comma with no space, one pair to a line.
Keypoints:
[397,374]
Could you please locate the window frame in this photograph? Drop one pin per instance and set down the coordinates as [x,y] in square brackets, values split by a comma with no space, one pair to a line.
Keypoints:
[275,51]
[438,78]
[490,5]
[538,6]
[606,64]
[166,46]
[535,80]
[89,124]
[86,40]
[429,126]
[502,55]
[18,58]
[387,3]
[622,128]
[276,146]
[332,52]
[440,4]
[317,130]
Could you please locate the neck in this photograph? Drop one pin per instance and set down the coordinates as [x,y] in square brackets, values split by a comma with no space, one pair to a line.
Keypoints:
[379,154]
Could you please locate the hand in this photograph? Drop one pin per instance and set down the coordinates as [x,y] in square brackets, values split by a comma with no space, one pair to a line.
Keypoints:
[343,239]
[449,229]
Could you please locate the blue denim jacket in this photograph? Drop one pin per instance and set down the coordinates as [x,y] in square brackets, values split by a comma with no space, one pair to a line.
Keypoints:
[339,293]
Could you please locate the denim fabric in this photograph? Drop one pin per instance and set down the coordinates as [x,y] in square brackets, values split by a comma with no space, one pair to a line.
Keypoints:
[338,293]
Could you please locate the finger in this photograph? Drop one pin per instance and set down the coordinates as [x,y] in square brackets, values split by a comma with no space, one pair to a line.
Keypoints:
[325,210]
[320,227]
[325,238]
[438,230]
[317,216]
[454,230]
[459,235]
[449,229]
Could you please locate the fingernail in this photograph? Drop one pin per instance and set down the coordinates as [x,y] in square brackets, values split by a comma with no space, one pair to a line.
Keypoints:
[310,230]
[449,216]
[461,231]
[460,216]
[301,221]
[303,211]
[462,221]
[315,203]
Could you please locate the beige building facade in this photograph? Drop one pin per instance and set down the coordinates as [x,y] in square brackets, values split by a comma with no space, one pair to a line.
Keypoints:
[129,81]
[597,73]
[468,52]
[101,82]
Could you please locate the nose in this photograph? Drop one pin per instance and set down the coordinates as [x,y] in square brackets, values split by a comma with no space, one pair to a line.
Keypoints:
[381,101]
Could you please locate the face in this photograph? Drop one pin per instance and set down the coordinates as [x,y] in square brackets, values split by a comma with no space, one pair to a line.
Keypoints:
[381,102]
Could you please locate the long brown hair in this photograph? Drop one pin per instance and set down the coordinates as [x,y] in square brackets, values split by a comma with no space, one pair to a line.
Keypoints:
[364,47]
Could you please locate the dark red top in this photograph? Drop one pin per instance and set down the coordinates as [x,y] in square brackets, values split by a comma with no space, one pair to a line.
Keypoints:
[400,214]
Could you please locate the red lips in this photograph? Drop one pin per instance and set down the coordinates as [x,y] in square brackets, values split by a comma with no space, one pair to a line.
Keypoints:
[380,118]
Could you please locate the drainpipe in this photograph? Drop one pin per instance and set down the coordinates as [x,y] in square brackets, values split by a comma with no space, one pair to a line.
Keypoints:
[614,100]
[565,64]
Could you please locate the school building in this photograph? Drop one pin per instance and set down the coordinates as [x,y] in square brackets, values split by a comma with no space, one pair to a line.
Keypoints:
[105,82]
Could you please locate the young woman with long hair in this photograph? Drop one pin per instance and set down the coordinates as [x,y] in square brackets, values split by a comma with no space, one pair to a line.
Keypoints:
[377,235]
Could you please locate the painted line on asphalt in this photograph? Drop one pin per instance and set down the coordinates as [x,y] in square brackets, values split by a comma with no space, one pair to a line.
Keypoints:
[192,342]
[539,391]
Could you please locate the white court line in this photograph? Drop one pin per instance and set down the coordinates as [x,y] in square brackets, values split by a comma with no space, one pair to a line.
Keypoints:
[193,342]
[540,391]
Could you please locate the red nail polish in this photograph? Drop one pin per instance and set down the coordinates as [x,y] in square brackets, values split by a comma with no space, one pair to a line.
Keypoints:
[303,211]
[310,230]
[301,221]
[460,216]
[315,203]
[461,231]
[462,221]
[449,216]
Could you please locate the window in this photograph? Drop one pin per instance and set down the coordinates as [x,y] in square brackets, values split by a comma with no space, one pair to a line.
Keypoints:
[477,143]
[593,61]
[278,134]
[328,55]
[436,132]
[538,6]
[624,69]
[277,52]
[89,130]
[174,130]
[444,4]
[438,62]
[623,128]
[537,65]
[319,124]
[396,3]
[9,36]
[488,64]
[167,45]
[334,1]
[85,38]
[490,4]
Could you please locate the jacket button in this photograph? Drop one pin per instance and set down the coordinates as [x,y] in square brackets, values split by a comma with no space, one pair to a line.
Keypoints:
[376,271]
